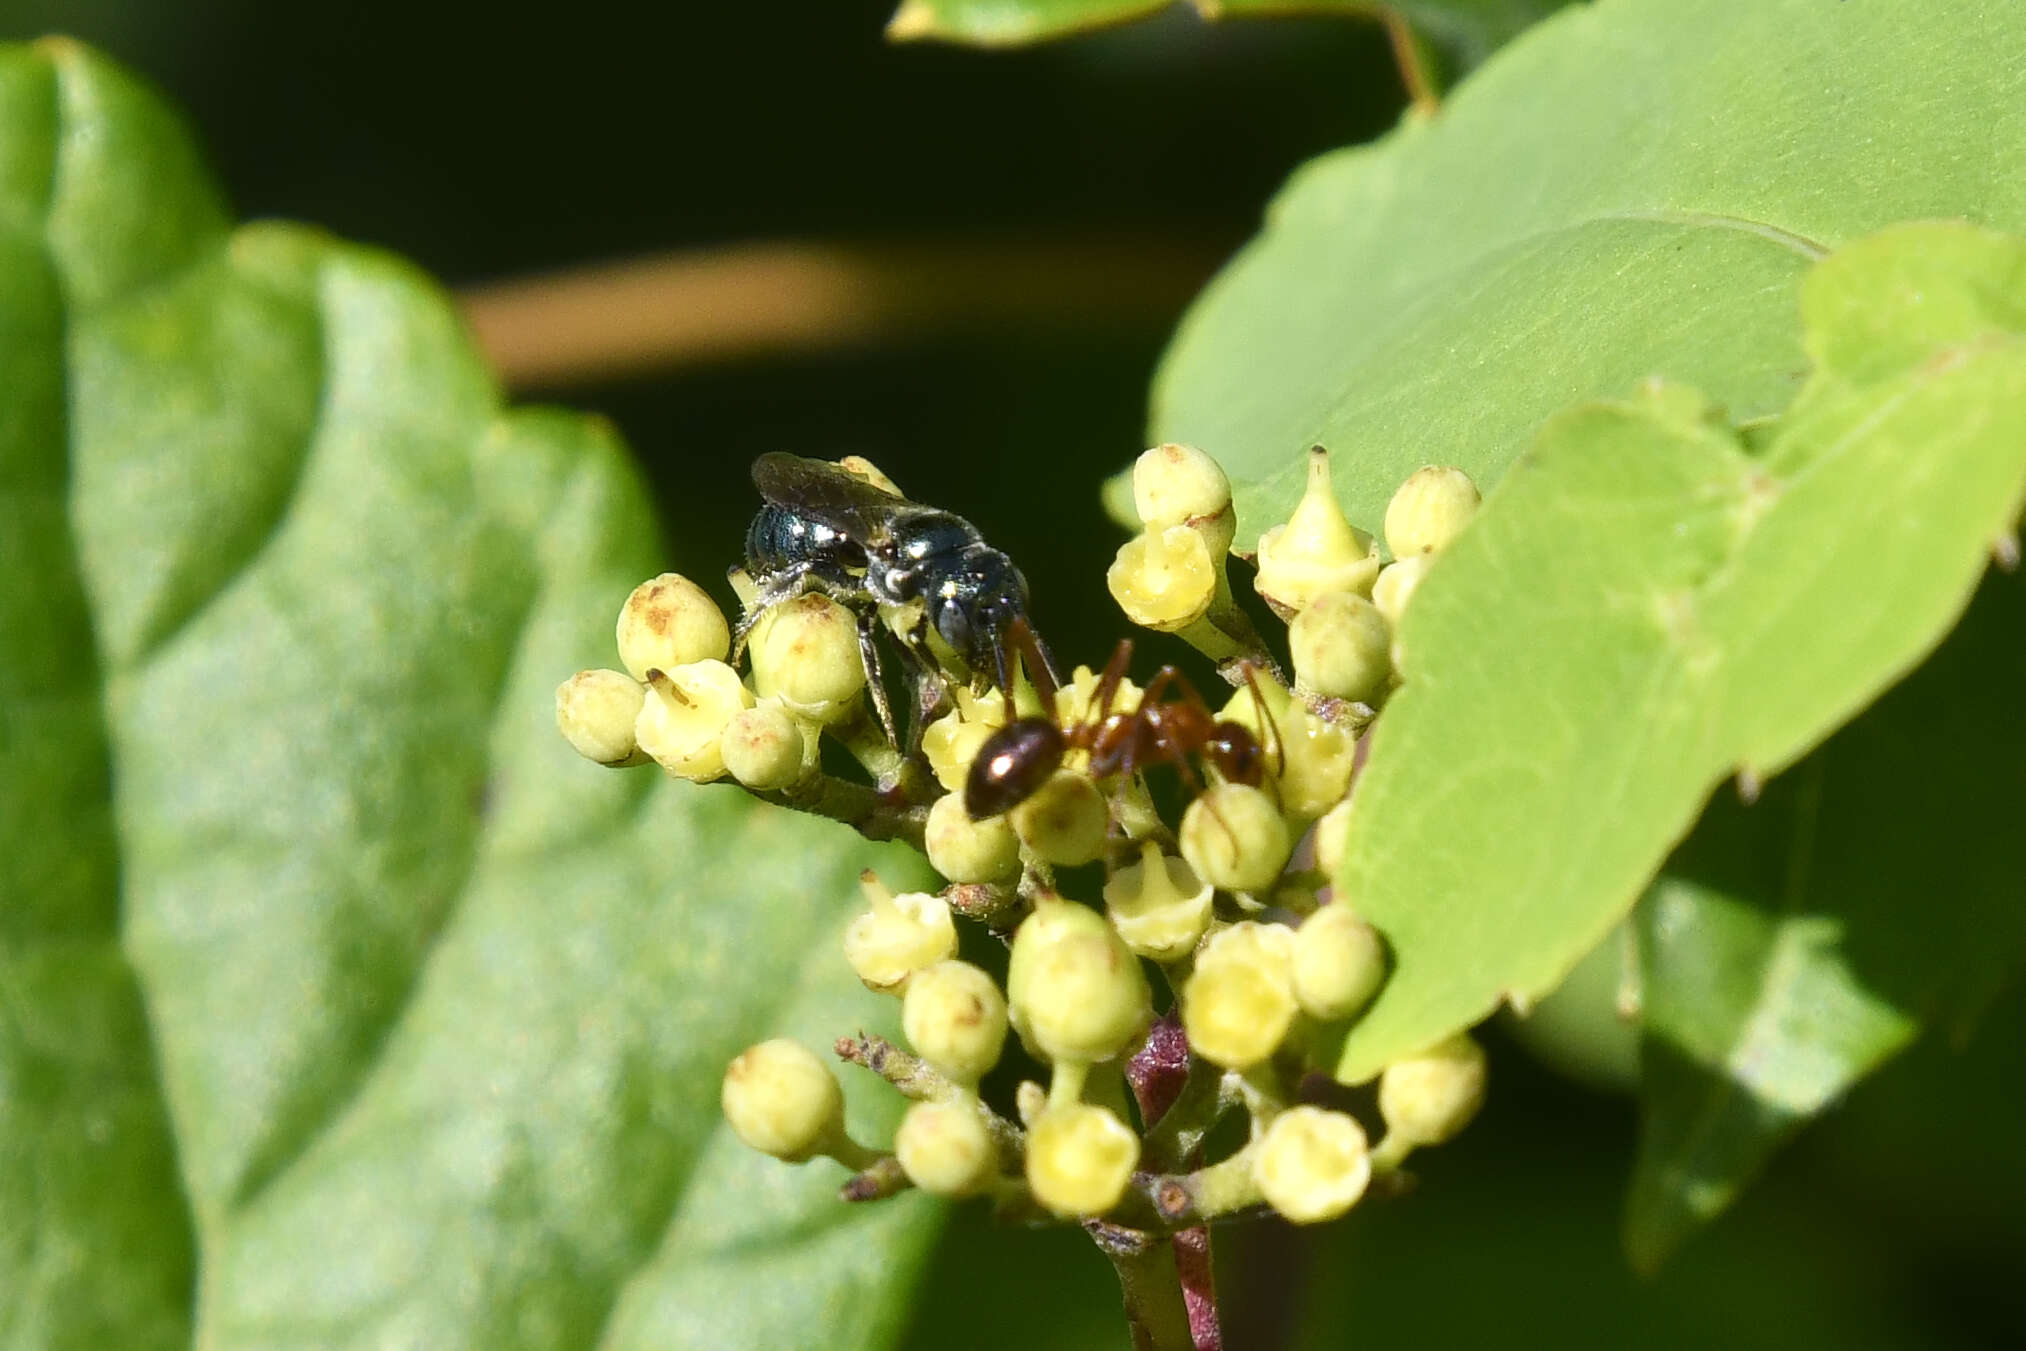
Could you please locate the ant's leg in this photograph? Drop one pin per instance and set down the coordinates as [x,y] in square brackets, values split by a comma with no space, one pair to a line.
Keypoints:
[1266,717]
[1114,676]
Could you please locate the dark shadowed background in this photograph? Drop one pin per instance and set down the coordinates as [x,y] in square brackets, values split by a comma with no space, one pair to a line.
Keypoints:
[964,265]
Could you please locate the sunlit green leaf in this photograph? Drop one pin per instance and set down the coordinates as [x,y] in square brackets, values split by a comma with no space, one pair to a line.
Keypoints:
[1634,189]
[308,909]
[1646,608]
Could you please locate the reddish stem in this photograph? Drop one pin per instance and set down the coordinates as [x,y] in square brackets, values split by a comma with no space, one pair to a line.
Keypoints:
[1199,1287]
[1157,1072]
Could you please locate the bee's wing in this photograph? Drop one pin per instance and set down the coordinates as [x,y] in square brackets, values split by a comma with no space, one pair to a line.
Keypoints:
[820,489]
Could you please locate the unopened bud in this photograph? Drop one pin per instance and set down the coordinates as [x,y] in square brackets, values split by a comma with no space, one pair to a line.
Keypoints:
[896,936]
[1074,990]
[1066,821]
[1318,551]
[1312,1164]
[1429,510]
[1312,758]
[670,622]
[951,742]
[1239,1003]
[805,653]
[781,1099]
[964,850]
[1175,485]
[683,718]
[1427,1098]
[955,1018]
[946,1149]
[596,710]
[1339,962]
[1396,583]
[1164,579]
[1158,905]
[764,748]
[1341,646]
[1235,838]
[1079,1159]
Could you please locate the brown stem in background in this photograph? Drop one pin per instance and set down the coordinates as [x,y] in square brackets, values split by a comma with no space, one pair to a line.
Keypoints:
[695,307]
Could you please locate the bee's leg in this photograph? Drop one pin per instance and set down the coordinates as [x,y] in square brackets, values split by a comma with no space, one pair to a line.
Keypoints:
[784,585]
[930,703]
[915,638]
[875,677]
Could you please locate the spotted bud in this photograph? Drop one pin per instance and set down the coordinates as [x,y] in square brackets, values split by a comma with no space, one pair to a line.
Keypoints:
[1234,837]
[805,653]
[670,622]
[781,1099]
[1396,583]
[596,711]
[764,748]
[1074,989]
[946,1149]
[1429,510]
[1066,820]
[964,850]
[1341,646]
[955,1018]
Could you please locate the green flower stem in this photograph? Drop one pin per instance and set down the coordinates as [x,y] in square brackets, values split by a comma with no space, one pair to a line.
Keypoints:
[1196,1110]
[876,1181]
[1151,1285]
[919,1081]
[865,810]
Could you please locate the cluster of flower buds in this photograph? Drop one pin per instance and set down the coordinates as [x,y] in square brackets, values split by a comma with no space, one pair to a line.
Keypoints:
[1217,968]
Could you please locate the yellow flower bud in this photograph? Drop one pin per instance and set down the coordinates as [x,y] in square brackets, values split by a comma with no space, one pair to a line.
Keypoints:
[682,721]
[1174,484]
[596,710]
[1079,1159]
[1317,551]
[1074,991]
[670,622]
[1429,510]
[1339,962]
[1329,838]
[1341,646]
[896,936]
[1066,820]
[782,1100]
[1076,701]
[951,742]
[1164,579]
[1312,1164]
[805,653]
[1238,1004]
[955,1018]
[764,748]
[1396,583]
[946,1149]
[1158,905]
[1235,838]
[1428,1098]
[964,850]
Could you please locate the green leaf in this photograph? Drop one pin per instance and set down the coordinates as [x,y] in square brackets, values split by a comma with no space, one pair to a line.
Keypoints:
[332,975]
[1645,608]
[1633,189]
[1469,30]
[1794,945]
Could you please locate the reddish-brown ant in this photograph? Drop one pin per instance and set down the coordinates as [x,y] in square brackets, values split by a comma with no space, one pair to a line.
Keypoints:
[1017,759]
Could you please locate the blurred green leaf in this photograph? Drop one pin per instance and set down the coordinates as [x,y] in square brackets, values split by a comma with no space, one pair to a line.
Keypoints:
[435,1011]
[1645,608]
[1795,944]
[1632,190]
[1467,30]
